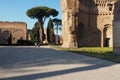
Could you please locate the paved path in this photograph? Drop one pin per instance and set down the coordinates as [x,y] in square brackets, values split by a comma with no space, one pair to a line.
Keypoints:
[29,63]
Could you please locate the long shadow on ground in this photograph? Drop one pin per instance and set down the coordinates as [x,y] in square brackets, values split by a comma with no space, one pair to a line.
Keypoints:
[42,57]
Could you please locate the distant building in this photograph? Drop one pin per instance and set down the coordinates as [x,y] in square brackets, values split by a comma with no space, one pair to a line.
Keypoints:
[16,29]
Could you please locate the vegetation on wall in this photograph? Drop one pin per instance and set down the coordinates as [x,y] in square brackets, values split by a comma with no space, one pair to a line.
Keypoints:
[9,40]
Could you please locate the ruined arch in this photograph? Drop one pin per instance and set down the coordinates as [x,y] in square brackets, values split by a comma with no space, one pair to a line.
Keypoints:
[107,35]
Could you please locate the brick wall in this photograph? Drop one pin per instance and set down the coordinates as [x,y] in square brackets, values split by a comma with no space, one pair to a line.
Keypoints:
[17,29]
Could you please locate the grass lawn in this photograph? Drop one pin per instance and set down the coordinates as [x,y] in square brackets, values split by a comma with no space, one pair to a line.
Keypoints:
[97,52]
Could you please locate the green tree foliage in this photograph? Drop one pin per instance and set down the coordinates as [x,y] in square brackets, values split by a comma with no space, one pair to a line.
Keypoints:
[57,22]
[20,41]
[41,13]
[50,32]
[24,42]
[9,40]
[35,33]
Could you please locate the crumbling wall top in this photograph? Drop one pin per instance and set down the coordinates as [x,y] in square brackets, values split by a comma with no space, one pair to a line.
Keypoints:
[69,4]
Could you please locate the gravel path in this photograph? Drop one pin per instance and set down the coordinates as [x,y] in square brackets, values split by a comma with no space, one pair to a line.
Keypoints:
[29,63]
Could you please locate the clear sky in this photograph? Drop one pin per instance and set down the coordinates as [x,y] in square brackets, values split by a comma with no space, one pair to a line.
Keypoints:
[15,10]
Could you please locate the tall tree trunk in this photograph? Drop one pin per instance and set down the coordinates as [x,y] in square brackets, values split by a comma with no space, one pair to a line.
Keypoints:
[57,35]
[41,31]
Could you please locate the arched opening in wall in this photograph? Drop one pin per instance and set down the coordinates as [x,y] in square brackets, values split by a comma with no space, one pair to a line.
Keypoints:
[107,35]
[80,32]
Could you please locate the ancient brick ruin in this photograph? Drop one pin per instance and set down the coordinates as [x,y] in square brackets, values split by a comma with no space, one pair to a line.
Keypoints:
[87,22]
[16,29]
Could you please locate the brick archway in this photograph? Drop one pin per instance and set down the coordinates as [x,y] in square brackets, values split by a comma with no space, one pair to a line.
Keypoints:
[107,36]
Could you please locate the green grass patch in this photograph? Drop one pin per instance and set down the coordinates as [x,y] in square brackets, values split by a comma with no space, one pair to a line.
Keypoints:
[97,52]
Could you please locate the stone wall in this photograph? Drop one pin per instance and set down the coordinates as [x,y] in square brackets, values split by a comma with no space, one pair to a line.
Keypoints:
[87,23]
[69,8]
[16,29]
[116,28]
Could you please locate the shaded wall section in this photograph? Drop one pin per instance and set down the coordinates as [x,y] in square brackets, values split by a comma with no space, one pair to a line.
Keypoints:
[87,32]
[116,28]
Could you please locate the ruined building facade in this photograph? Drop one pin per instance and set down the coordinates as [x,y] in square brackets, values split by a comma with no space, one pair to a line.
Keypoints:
[17,30]
[88,22]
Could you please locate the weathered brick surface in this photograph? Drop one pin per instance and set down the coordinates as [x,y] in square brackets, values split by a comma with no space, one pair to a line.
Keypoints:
[87,22]
[17,29]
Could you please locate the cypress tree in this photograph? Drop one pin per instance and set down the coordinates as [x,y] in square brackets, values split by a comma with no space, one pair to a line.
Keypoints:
[50,32]
[35,33]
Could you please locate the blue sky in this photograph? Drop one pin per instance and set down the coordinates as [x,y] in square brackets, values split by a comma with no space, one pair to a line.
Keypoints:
[15,10]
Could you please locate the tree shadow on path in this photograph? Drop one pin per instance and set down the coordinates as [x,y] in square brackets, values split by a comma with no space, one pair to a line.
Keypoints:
[42,57]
